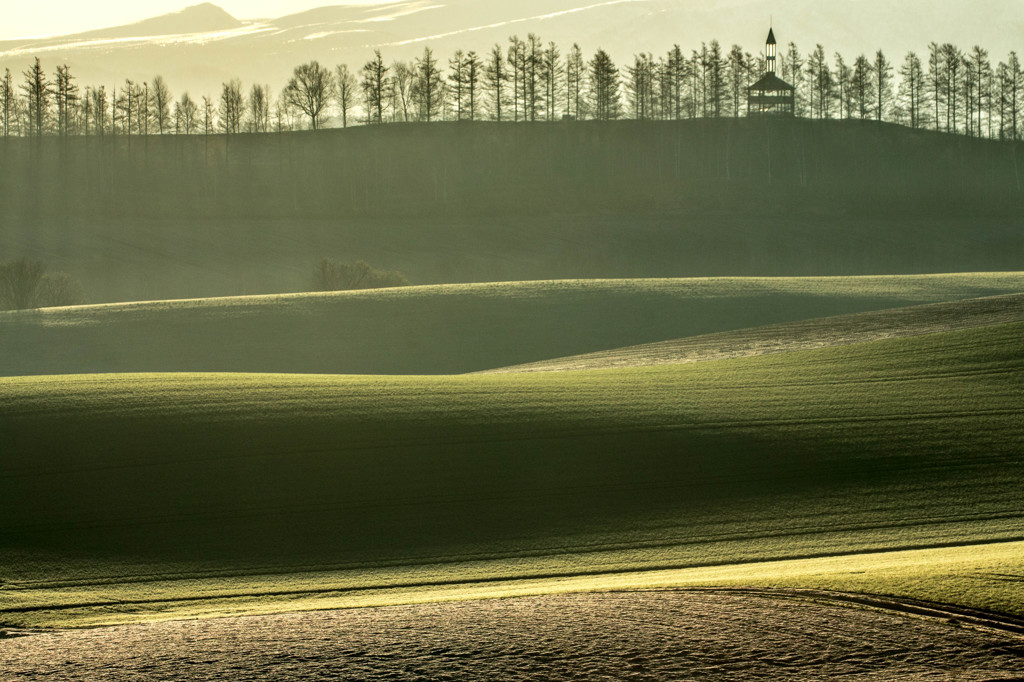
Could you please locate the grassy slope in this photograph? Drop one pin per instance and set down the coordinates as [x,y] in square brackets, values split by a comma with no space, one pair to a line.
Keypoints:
[441,329]
[128,259]
[175,217]
[841,330]
[888,445]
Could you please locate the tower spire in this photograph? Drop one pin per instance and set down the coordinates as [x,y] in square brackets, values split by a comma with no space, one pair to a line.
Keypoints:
[769,50]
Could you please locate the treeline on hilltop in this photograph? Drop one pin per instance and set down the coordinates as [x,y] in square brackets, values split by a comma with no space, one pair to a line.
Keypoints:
[751,166]
[947,90]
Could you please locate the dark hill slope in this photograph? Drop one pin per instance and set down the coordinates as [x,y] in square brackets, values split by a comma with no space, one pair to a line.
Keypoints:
[188,217]
[739,165]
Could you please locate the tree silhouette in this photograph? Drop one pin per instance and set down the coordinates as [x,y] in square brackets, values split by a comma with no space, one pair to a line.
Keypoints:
[496,76]
[426,90]
[186,115]
[882,72]
[604,87]
[310,90]
[375,88]
[344,91]
[37,90]
[160,102]
[912,88]
[8,102]
[232,104]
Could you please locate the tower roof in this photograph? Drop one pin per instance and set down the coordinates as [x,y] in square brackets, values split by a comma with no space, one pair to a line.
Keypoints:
[771,37]
[772,83]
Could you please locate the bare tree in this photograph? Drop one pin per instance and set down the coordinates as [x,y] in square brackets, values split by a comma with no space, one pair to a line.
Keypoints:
[186,115]
[259,109]
[952,62]
[552,76]
[532,65]
[819,94]
[160,102]
[1012,83]
[427,88]
[232,104]
[639,86]
[375,88]
[207,115]
[344,91]
[124,106]
[145,111]
[604,87]
[37,90]
[457,80]
[862,87]
[402,78]
[496,76]
[67,95]
[516,60]
[310,90]
[99,108]
[8,102]
[883,86]
[980,87]
[575,72]
[911,90]
[793,71]
[19,281]
[25,284]
[843,76]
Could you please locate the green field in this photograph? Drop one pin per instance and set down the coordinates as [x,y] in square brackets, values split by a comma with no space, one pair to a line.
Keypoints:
[442,329]
[127,497]
[839,330]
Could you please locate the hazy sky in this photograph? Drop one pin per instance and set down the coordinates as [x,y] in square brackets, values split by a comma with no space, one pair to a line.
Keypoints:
[60,17]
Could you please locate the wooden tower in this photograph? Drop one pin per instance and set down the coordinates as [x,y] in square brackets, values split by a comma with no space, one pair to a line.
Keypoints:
[771,96]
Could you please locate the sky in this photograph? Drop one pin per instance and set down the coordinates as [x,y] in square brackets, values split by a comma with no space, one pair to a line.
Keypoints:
[60,17]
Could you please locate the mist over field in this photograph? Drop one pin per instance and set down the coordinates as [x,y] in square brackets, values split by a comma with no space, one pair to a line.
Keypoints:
[542,340]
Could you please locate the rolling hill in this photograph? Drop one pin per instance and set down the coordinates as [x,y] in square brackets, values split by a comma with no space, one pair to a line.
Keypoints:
[178,216]
[841,330]
[441,329]
[171,494]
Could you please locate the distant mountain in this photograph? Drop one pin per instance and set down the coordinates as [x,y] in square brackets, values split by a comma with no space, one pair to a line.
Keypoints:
[191,20]
[200,47]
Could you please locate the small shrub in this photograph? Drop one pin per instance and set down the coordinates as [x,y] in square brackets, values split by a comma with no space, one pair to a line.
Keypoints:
[333,276]
[58,289]
[24,284]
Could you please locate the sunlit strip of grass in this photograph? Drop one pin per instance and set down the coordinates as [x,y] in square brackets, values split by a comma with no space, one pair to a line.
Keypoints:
[986,576]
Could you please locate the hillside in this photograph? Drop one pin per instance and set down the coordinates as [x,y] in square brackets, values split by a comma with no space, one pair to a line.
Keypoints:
[187,217]
[441,329]
[175,490]
[842,330]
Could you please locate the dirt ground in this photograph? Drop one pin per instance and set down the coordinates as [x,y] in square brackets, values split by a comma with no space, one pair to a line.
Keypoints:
[624,635]
[628,635]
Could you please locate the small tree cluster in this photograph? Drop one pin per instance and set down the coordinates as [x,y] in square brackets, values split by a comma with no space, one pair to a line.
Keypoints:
[25,284]
[331,275]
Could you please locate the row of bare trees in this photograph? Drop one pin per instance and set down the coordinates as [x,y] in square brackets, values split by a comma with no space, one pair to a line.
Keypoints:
[527,80]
